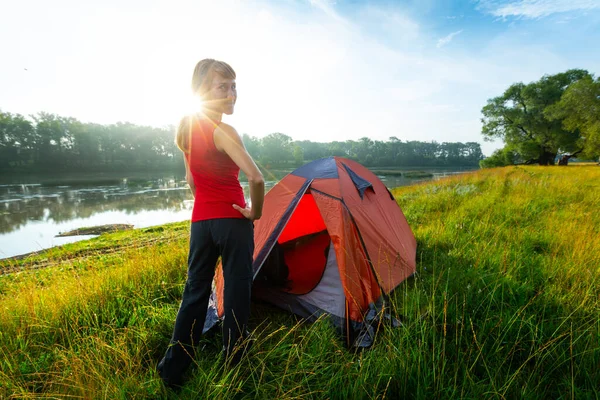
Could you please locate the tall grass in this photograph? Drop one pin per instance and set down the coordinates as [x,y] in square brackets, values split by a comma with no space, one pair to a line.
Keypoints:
[505,304]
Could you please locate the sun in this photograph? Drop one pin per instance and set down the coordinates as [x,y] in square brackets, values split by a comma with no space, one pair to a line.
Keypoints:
[186,104]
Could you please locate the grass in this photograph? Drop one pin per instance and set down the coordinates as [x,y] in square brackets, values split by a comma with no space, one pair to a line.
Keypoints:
[418,174]
[389,172]
[505,304]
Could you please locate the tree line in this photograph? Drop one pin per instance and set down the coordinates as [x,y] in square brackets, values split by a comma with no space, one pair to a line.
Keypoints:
[553,119]
[49,142]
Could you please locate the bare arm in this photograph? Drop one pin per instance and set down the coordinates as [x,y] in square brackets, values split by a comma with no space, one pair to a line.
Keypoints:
[189,178]
[228,141]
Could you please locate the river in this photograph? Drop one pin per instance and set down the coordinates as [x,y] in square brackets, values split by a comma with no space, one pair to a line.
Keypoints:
[34,210]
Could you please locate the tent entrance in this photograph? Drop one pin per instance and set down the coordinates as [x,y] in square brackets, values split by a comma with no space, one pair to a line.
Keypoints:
[305,259]
[297,261]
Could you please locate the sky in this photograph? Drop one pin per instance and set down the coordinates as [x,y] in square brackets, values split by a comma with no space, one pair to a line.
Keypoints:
[318,70]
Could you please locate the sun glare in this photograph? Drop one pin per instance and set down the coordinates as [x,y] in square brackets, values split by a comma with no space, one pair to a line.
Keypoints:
[188,104]
[177,106]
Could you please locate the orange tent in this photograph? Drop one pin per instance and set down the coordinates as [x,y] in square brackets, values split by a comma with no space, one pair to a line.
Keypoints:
[331,240]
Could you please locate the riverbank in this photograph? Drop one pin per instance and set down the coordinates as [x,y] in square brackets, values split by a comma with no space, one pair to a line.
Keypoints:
[505,303]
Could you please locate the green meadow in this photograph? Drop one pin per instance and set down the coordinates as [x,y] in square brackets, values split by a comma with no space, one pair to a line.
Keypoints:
[505,304]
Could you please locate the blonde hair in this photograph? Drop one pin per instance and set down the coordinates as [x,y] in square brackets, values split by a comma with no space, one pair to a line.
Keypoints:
[202,78]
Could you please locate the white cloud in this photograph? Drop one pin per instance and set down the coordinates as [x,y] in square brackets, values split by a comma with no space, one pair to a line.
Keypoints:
[535,8]
[311,74]
[327,6]
[447,39]
[391,23]
[322,3]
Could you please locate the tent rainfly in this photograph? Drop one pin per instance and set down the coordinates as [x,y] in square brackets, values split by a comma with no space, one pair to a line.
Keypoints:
[332,240]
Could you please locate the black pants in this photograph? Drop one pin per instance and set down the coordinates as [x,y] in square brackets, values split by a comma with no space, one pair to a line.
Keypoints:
[233,240]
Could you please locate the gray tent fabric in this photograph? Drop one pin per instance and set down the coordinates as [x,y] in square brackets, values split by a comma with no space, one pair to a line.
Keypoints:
[327,298]
[328,295]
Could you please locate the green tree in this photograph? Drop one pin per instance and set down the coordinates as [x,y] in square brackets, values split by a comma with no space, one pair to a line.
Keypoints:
[277,148]
[501,158]
[298,154]
[49,141]
[17,140]
[252,145]
[164,147]
[52,140]
[579,111]
[518,117]
[362,150]
[337,149]
[423,153]
[394,145]
[312,150]
[472,153]
[381,153]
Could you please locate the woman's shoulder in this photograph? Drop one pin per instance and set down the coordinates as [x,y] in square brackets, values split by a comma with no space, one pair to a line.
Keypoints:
[186,121]
[227,129]
[225,135]
[196,121]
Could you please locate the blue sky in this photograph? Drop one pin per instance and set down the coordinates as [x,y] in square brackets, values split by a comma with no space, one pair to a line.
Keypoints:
[313,69]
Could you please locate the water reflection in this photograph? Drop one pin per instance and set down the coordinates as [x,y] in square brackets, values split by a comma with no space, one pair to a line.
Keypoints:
[22,204]
[31,215]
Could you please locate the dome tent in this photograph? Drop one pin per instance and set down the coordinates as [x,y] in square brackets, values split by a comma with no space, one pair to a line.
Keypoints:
[331,240]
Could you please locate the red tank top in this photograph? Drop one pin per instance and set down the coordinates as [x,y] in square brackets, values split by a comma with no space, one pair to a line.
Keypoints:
[215,175]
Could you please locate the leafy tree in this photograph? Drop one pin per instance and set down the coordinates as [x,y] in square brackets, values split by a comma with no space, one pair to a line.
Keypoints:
[57,143]
[163,144]
[312,150]
[423,151]
[471,153]
[501,158]
[394,145]
[276,148]
[450,152]
[519,118]
[362,149]
[49,134]
[381,154]
[579,111]
[17,140]
[338,149]
[298,155]
[252,145]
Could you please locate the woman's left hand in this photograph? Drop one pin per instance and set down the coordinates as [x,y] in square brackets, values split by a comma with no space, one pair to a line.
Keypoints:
[246,212]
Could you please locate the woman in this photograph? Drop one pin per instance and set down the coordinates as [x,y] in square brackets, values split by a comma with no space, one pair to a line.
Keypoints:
[221,219]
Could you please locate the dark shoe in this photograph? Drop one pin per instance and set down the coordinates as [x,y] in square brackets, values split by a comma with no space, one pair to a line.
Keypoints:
[170,383]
